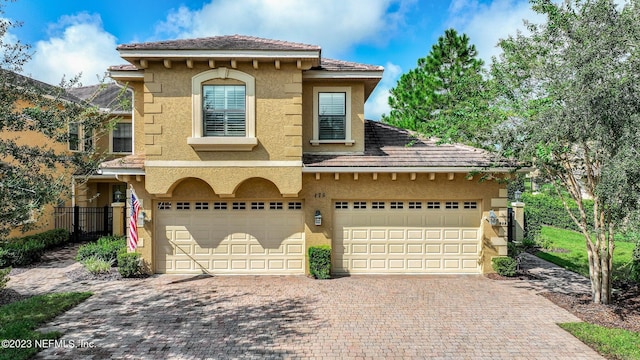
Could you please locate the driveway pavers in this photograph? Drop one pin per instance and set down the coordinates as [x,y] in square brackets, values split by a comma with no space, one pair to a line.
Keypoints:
[359,317]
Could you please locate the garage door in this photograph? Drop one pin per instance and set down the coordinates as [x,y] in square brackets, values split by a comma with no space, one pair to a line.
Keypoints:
[237,237]
[406,237]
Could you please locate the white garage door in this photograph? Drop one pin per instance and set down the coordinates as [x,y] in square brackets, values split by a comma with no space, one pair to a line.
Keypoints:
[406,237]
[235,237]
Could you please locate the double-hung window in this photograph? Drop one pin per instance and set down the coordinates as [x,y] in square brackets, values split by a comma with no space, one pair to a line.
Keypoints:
[80,139]
[121,138]
[332,115]
[223,112]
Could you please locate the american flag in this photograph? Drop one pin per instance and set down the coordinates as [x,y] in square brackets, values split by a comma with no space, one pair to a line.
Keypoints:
[133,221]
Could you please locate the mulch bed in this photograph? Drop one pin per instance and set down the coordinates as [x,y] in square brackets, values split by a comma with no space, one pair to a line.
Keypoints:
[623,313]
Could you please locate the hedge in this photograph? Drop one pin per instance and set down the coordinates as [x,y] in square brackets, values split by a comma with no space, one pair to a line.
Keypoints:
[29,249]
[320,261]
[544,209]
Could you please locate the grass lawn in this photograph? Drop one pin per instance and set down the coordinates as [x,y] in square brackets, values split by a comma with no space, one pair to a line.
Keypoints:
[612,343]
[575,259]
[19,320]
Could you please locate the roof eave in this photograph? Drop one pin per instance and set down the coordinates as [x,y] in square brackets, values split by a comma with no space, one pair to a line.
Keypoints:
[134,54]
[411,169]
[126,75]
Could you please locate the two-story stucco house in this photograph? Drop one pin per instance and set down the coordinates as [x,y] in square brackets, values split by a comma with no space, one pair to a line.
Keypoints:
[247,151]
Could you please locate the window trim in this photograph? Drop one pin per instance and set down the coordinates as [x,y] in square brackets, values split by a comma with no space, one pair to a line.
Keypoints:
[82,140]
[223,143]
[111,138]
[348,140]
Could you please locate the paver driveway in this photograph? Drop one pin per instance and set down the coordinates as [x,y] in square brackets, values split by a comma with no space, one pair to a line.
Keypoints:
[294,316]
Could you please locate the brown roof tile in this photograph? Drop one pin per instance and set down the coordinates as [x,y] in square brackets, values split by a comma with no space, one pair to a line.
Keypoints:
[225,42]
[123,67]
[134,161]
[388,146]
[341,65]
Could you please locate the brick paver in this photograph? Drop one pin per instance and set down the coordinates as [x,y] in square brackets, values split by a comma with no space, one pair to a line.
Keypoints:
[359,317]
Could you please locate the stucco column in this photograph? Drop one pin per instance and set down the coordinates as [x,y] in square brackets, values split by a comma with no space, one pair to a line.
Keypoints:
[118,218]
[518,218]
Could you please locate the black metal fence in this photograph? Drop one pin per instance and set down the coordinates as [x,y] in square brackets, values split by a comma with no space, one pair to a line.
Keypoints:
[511,227]
[85,223]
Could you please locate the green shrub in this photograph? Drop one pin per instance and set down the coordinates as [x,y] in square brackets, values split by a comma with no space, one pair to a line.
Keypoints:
[129,264]
[106,248]
[26,250]
[504,265]
[97,266]
[547,209]
[21,253]
[320,261]
[4,277]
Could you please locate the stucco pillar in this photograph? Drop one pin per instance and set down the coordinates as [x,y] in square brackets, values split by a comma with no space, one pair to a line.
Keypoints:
[118,218]
[518,218]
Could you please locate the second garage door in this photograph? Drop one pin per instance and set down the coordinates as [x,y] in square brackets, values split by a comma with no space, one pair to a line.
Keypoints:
[406,237]
[235,237]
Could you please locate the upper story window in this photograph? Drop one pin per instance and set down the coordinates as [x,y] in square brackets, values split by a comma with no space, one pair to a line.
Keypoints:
[223,110]
[79,138]
[121,138]
[332,115]
[223,113]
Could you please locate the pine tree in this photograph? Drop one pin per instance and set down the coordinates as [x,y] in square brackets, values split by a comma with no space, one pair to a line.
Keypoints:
[446,95]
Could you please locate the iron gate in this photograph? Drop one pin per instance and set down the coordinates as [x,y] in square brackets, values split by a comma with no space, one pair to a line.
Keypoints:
[85,223]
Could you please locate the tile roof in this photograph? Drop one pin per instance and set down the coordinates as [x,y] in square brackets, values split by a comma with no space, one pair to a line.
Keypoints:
[123,67]
[341,65]
[388,146]
[134,161]
[104,96]
[226,42]
[12,78]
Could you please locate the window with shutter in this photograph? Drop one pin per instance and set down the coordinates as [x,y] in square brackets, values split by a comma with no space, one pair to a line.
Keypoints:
[223,110]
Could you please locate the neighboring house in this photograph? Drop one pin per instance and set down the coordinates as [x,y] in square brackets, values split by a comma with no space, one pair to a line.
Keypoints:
[102,190]
[247,151]
[96,190]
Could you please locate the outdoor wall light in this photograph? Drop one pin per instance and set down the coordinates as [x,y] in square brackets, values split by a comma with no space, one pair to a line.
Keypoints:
[118,195]
[518,195]
[493,218]
[142,216]
[318,218]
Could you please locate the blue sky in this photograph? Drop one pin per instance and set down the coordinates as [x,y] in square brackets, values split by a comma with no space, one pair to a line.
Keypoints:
[72,36]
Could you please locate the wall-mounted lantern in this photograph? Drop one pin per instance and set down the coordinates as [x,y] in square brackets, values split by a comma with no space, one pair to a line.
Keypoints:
[518,195]
[493,218]
[141,218]
[118,195]
[318,218]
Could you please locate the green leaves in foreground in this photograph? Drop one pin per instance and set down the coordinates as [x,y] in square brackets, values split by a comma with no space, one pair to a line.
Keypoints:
[20,319]
[612,343]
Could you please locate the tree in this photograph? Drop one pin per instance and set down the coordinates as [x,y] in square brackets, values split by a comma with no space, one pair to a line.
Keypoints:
[446,96]
[572,89]
[37,172]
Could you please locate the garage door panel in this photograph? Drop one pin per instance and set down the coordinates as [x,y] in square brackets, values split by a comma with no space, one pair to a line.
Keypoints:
[257,249]
[378,248]
[397,249]
[293,264]
[415,249]
[470,249]
[237,264]
[416,240]
[432,249]
[198,250]
[451,249]
[257,264]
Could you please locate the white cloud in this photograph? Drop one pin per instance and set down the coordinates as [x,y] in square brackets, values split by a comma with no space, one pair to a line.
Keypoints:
[336,25]
[486,24]
[77,44]
[378,102]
